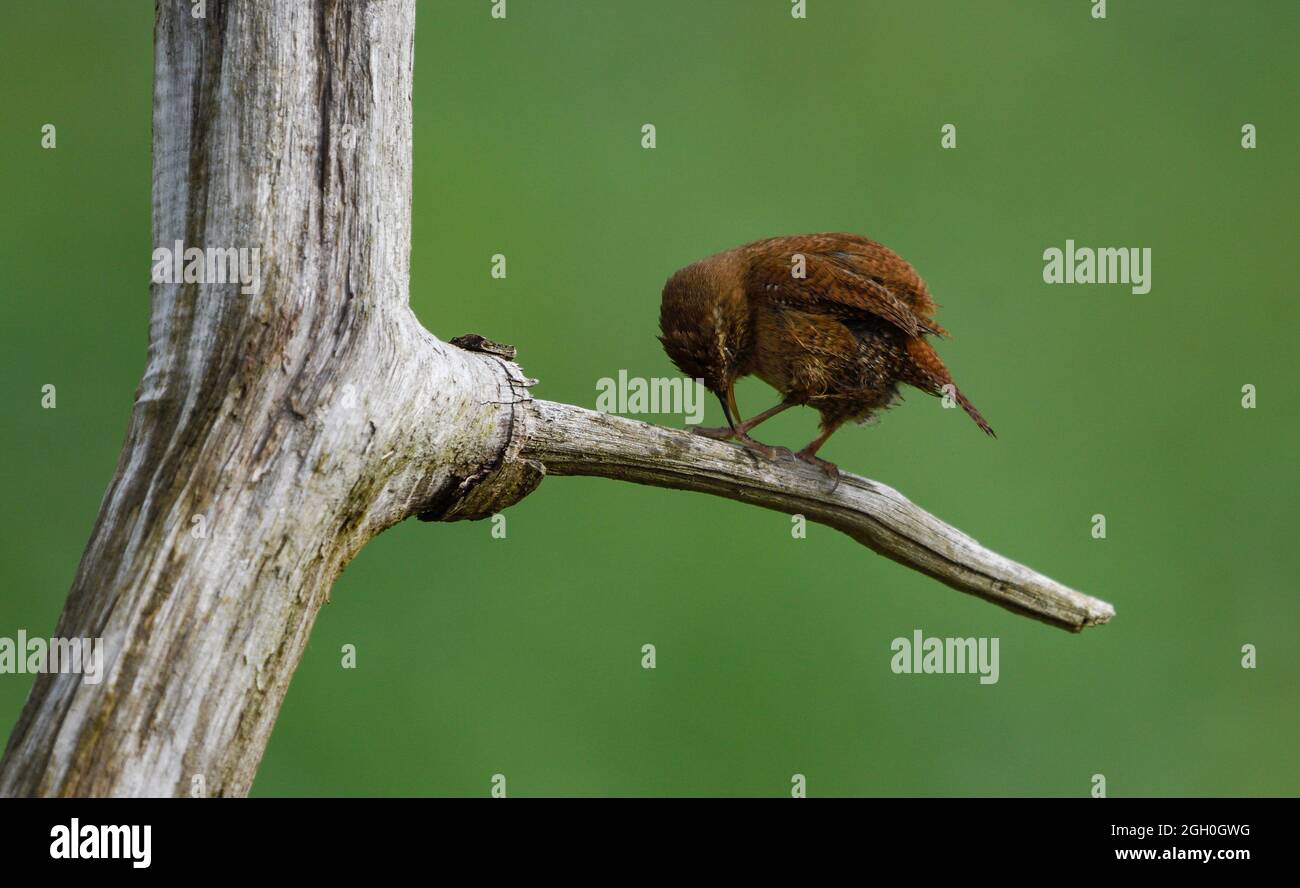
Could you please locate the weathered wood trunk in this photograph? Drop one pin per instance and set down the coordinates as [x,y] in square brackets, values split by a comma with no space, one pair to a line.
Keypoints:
[272,433]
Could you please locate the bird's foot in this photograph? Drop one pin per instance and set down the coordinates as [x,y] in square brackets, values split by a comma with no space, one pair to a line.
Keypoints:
[726,433]
[721,433]
[832,471]
[766,451]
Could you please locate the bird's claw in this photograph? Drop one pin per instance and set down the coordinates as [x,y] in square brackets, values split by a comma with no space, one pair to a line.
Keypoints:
[722,433]
[766,451]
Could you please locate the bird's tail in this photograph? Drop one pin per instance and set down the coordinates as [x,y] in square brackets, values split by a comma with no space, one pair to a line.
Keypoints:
[973,413]
[929,374]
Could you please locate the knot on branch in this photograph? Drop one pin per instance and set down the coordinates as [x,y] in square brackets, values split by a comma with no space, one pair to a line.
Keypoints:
[510,477]
[480,497]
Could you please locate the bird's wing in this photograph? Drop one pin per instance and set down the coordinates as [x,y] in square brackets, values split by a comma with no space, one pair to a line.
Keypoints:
[844,275]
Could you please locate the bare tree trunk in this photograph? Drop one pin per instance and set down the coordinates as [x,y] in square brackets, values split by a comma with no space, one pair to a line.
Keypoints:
[273,434]
[294,424]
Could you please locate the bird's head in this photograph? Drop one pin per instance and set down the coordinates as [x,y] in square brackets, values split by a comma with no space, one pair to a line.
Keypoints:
[704,324]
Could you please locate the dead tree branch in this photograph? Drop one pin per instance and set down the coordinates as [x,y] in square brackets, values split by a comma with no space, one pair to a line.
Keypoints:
[572,441]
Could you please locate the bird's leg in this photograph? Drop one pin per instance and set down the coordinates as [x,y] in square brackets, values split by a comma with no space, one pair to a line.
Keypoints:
[809,453]
[740,430]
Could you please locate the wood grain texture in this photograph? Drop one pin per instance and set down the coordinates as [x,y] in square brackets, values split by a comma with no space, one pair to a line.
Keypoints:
[297,422]
[570,440]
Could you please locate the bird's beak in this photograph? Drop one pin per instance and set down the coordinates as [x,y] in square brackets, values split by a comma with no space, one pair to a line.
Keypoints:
[726,411]
[729,408]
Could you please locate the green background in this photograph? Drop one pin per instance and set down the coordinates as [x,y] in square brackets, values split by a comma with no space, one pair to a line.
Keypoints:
[522,656]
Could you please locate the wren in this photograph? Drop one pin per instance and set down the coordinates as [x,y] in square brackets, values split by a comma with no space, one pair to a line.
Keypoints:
[831,321]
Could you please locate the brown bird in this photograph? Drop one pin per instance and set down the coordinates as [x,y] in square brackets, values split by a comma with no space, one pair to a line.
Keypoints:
[833,321]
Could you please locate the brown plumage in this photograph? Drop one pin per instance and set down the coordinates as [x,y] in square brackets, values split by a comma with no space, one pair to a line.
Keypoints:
[839,339]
